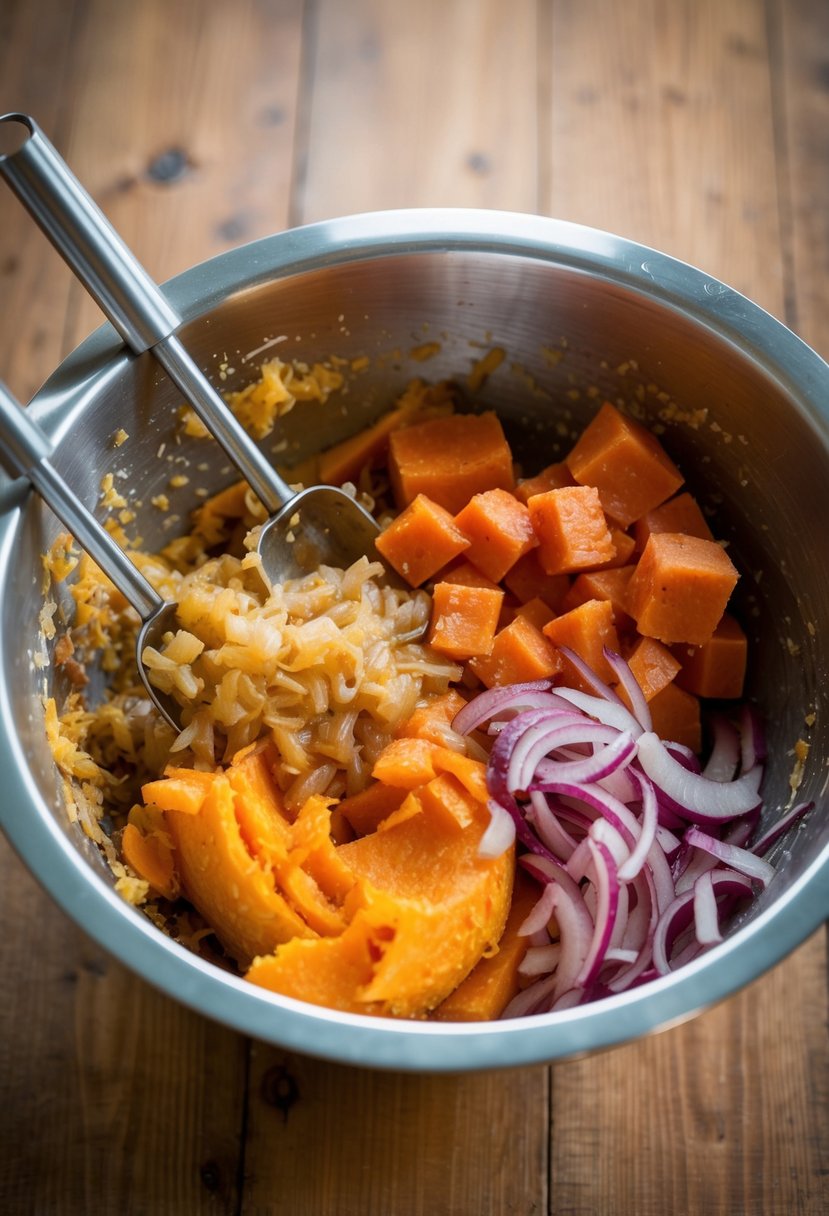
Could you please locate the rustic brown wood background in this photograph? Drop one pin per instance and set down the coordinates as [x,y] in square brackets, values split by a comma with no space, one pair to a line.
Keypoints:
[697,126]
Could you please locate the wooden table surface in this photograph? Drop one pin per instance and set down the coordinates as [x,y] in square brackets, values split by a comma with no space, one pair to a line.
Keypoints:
[700,127]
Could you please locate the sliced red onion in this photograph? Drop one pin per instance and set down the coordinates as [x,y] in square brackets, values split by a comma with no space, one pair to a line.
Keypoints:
[486,705]
[539,917]
[605,877]
[725,750]
[684,755]
[500,832]
[638,704]
[540,960]
[545,736]
[762,846]
[631,867]
[600,688]
[752,738]
[611,713]
[678,915]
[549,827]
[576,930]
[742,860]
[617,955]
[617,753]
[706,915]
[697,797]
[530,999]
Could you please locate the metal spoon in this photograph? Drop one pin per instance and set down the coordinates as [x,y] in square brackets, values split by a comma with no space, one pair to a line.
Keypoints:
[25,451]
[319,525]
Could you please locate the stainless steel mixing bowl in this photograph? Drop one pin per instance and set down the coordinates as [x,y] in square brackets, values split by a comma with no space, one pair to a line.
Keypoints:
[580,315]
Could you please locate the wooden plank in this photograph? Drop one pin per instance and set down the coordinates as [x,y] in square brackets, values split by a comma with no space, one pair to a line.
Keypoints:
[728,1113]
[329,1139]
[660,129]
[801,57]
[413,105]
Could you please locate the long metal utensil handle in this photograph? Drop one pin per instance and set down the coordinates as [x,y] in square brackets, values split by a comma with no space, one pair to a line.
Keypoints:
[135,305]
[25,451]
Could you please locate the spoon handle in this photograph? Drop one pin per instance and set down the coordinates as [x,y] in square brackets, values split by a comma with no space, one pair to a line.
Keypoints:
[135,305]
[25,451]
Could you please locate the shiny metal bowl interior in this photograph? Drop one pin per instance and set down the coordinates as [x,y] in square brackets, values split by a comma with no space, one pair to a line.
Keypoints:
[581,315]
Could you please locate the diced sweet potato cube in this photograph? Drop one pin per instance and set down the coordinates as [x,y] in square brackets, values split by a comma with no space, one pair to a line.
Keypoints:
[431,720]
[450,806]
[527,581]
[366,810]
[653,666]
[623,546]
[571,528]
[499,531]
[519,653]
[468,575]
[422,539]
[679,514]
[718,667]
[450,459]
[405,763]
[536,611]
[586,630]
[611,584]
[464,619]
[680,588]
[626,463]
[676,716]
[552,478]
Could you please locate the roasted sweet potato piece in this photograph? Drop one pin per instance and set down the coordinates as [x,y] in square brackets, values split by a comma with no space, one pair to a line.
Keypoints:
[681,587]
[653,666]
[527,581]
[422,539]
[676,716]
[609,585]
[464,619]
[450,459]
[679,514]
[519,653]
[150,855]
[499,531]
[366,811]
[552,478]
[718,667]
[571,528]
[626,463]
[585,630]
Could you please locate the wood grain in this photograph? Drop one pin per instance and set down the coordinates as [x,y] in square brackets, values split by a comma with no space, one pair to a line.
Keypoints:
[697,127]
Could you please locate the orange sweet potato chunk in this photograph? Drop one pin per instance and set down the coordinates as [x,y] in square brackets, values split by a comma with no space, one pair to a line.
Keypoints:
[468,575]
[450,459]
[422,539]
[653,666]
[180,789]
[366,811]
[430,721]
[681,587]
[151,857]
[499,531]
[585,630]
[536,611]
[676,716]
[718,667]
[464,619]
[552,478]
[679,514]
[571,528]
[426,908]
[626,463]
[527,581]
[519,653]
[491,985]
[232,890]
[609,585]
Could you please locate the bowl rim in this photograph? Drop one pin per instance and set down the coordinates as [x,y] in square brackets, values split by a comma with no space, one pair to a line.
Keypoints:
[125,932]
